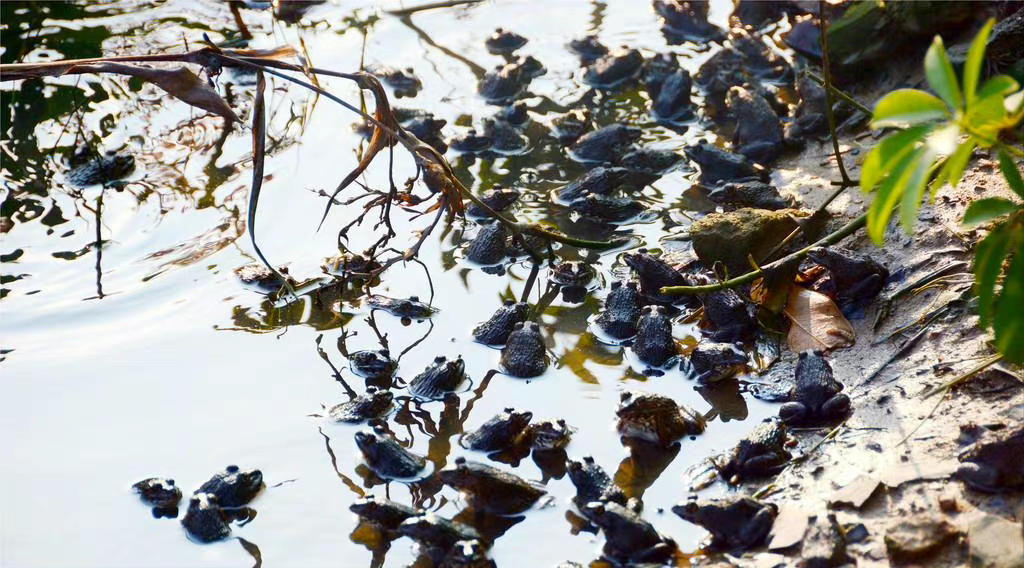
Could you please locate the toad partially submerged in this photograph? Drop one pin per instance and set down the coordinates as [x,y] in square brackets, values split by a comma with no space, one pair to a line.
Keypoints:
[614,69]
[498,199]
[710,362]
[204,520]
[605,144]
[161,494]
[621,311]
[736,523]
[504,41]
[717,165]
[816,397]
[89,168]
[524,354]
[383,512]
[592,484]
[760,454]
[572,273]
[731,318]
[412,308]
[599,181]
[490,489]
[440,377]
[434,532]
[758,134]
[371,404]
[501,432]
[386,457]
[549,435]
[654,274]
[233,487]
[606,207]
[489,247]
[495,331]
[994,463]
[628,538]
[654,344]
[372,364]
[657,419]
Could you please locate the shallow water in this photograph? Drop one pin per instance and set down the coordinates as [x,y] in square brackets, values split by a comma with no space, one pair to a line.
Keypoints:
[131,349]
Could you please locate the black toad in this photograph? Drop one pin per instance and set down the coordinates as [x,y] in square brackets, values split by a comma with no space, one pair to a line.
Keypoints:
[737,523]
[490,489]
[994,463]
[501,432]
[496,330]
[233,487]
[621,311]
[371,404]
[816,397]
[629,538]
[504,41]
[440,377]
[386,457]
[656,419]
[605,144]
[760,454]
[653,343]
[412,308]
[524,354]
[490,245]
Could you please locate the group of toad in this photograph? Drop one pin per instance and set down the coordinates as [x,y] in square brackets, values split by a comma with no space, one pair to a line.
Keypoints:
[635,313]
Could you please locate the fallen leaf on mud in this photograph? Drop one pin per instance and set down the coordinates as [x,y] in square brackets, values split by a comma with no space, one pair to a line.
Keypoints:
[914,470]
[818,324]
[856,493]
[789,527]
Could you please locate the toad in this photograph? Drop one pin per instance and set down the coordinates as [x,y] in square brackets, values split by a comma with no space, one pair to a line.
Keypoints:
[758,134]
[657,419]
[629,538]
[760,454]
[614,69]
[495,331]
[621,311]
[501,432]
[371,404]
[605,144]
[994,464]
[440,377]
[736,523]
[816,397]
[524,354]
[653,343]
[386,457]
[490,489]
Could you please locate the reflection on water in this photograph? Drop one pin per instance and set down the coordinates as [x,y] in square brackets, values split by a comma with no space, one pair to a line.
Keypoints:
[153,375]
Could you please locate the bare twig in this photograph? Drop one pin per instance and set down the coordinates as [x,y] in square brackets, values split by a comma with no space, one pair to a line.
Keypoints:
[431,6]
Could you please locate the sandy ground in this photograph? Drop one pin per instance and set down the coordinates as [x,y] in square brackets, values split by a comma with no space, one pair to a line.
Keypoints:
[892,467]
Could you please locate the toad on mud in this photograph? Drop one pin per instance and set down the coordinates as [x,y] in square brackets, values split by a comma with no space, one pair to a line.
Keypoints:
[816,397]
[495,331]
[730,316]
[855,277]
[756,194]
[440,377]
[501,432]
[382,512]
[490,245]
[371,404]
[657,419]
[653,343]
[592,484]
[712,361]
[758,134]
[159,493]
[762,453]
[525,354]
[654,274]
[386,457]
[233,487]
[412,308]
[621,311]
[737,523]
[614,69]
[994,463]
[490,489]
[605,144]
[629,538]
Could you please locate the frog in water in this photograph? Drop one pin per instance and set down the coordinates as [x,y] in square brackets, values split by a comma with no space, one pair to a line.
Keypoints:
[654,344]
[621,310]
[657,419]
[386,457]
[501,432]
[760,454]
[495,331]
[736,523]
[504,41]
[605,144]
[233,487]
[758,134]
[371,404]
[654,274]
[440,377]
[490,489]
[525,354]
[629,538]
[412,308]
[614,69]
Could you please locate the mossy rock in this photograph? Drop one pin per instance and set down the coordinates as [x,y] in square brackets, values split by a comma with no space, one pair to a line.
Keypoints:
[730,237]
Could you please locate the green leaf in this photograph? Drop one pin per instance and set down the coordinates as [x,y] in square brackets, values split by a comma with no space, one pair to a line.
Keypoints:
[988,260]
[998,85]
[987,209]
[985,118]
[908,107]
[975,57]
[953,169]
[887,153]
[914,181]
[1009,323]
[888,195]
[1011,172]
[939,73]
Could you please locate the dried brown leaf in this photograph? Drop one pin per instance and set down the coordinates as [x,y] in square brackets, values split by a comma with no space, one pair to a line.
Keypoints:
[818,324]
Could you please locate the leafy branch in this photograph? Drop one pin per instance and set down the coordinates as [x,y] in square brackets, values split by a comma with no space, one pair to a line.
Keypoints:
[935,138]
